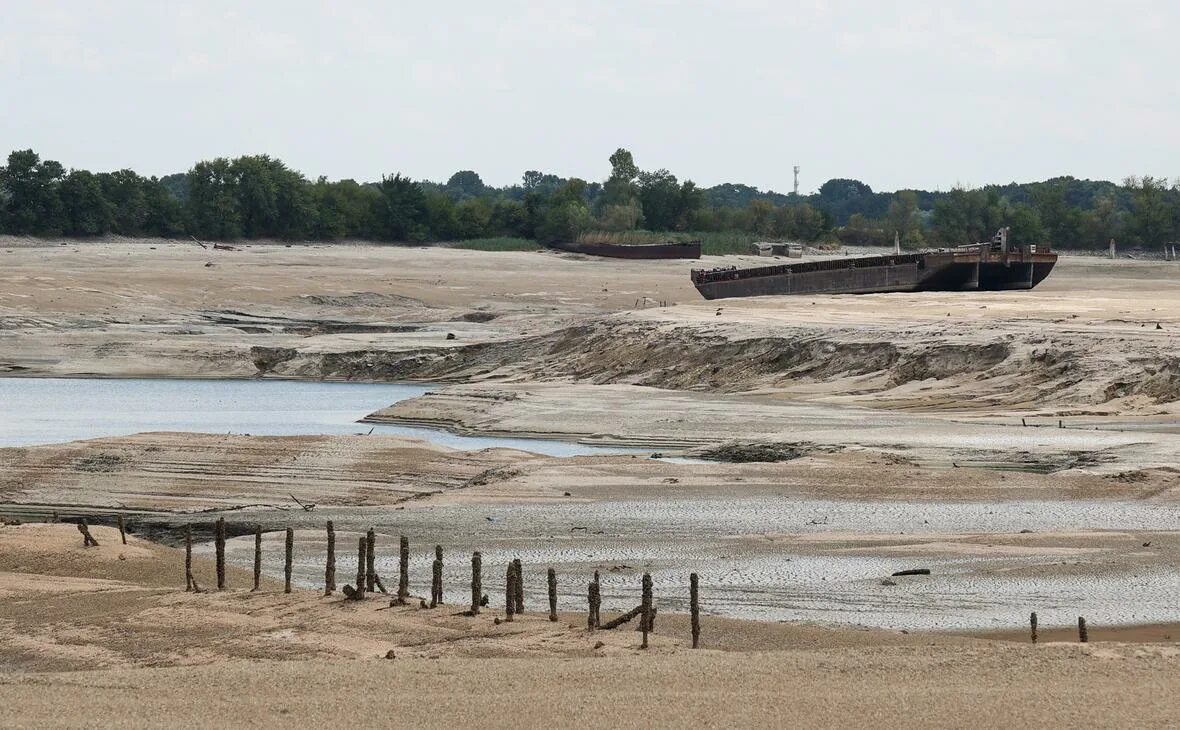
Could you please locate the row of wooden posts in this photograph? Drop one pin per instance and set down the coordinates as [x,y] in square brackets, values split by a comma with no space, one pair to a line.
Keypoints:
[367,580]
[1083,632]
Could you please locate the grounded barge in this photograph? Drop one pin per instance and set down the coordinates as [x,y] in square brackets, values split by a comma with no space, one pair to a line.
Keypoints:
[686,250]
[983,266]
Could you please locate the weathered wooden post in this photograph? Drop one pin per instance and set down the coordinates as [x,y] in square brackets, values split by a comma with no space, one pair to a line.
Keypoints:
[87,539]
[1083,635]
[361,545]
[694,607]
[590,622]
[403,566]
[330,566]
[122,530]
[518,591]
[188,557]
[1032,624]
[476,582]
[257,557]
[645,618]
[219,542]
[287,561]
[510,591]
[436,594]
[552,594]
[370,560]
[597,600]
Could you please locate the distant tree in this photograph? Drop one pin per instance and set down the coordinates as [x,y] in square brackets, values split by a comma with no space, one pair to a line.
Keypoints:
[905,220]
[127,194]
[566,214]
[30,201]
[86,211]
[1060,220]
[1153,210]
[401,210]
[213,207]
[464,185]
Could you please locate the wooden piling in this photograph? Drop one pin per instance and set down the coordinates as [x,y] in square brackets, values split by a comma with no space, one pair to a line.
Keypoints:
[510,591]
[597,608]
[330,563]
[518,591]
[257,557]
[219,542]
[591,624]
[552,594]
[476,582]
[287,560]
[370,560]
[436,593]
[1083,635]
[361,545]
[87,539]
[122,530]
[645,619]
[1032,625]
[403,566]
[188,557]
[694,607]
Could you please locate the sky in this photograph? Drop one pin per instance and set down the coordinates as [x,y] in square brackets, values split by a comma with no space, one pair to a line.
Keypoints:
[910,94]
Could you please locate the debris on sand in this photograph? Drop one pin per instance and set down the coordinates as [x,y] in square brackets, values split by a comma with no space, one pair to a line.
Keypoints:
[912,571]
[737,452]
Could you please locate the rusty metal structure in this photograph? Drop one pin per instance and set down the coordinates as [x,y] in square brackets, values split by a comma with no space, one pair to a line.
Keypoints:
[672,250]
[982,266]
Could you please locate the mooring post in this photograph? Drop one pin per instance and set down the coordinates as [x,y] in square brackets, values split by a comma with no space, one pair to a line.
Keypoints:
[257,557]
[518,591]
[361,550]
[403,566]
[694,607]
[552,594]
[645,619]
[1032,625]
[1083,635]
[287,560]
[330,565]
[219,542]
[597,600]
[370,560]
[188,557]
[122,530]
[476,582]
[510,592]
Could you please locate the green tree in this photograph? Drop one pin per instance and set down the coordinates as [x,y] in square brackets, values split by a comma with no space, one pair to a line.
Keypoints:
[213,207]
[905,220]
[401,210]
[87,212]
[1153,211]
[464,185]
[29,194]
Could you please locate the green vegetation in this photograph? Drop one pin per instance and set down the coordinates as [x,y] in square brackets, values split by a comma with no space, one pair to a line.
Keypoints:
[258,196]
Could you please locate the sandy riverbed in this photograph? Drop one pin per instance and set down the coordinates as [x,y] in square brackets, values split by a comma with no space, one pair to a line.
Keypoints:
[899,408]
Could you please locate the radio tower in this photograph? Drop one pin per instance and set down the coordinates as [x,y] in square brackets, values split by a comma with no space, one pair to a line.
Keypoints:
[796,179]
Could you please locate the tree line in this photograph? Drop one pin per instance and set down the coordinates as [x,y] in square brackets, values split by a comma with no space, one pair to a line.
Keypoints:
[258,196]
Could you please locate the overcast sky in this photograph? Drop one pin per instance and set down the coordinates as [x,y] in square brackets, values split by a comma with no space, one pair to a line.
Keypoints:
[897,94]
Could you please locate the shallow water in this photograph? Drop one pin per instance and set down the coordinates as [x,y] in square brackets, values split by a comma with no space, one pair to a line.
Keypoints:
[54,410]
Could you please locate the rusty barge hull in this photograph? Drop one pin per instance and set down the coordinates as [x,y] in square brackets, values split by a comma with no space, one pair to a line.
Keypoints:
[968,268]
[686,250]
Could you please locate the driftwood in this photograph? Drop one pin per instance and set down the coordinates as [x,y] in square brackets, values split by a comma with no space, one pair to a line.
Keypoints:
[307,507]
[330,562]
[913,571]
[87,539]
[617,622]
